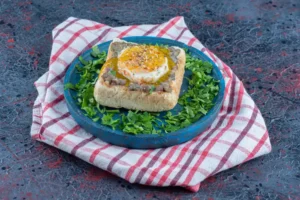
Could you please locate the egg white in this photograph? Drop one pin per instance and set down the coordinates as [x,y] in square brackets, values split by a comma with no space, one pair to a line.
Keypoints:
[148,77]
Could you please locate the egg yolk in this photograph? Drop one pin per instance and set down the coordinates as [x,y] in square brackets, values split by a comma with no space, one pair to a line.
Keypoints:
[142,58]
[141,64]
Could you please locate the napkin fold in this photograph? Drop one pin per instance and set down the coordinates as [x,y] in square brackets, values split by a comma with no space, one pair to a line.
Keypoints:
[237,135]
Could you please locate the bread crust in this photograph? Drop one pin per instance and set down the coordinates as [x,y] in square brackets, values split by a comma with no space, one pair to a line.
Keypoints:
[118,96]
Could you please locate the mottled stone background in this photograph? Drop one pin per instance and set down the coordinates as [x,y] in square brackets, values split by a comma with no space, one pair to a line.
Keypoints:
[259,39]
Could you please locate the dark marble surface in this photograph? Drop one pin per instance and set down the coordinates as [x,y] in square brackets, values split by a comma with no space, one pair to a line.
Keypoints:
[258,38]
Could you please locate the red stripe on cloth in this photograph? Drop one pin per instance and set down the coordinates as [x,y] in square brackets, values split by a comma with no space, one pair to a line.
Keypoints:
[81,144]
[194,188]
[127,31]
[57,78]
[96,152]
[219,135]
[57,93]
[245,119]
[249,135]
[35,136]
[138,164]
[61,97]
[227,87]
[72,39]
[261,142]
[63,28]
[205,151]
[53,72]
[63,62]
[80,36]
[95,41]
[165,176]
[179,28]
[38,137]
[241,148]
[58,125]
[54,102]
[181,33]
[151,30]
[236,142]
[192,40]
[61,75]
[163,163]
[175,164]
[98,39]
[213,56]
[150,164]
[210,54]
[168,26]
[227,69]
[36,122]
[61,136]
[225,96]
[171,36]
[53,121]
[71,49]
[116,159]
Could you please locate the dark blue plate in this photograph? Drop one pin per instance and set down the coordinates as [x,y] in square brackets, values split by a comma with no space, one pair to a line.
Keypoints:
[144,141]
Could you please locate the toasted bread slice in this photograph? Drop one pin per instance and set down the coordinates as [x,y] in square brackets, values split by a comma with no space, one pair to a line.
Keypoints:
[163,97]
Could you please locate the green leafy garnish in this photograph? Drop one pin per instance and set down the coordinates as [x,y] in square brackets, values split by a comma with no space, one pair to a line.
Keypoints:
[198,99]
[135,123]
[108,120]
[152,89]
[85,87]
[95,52]
[84,62]
[195,102]
[69,86]
[113,72]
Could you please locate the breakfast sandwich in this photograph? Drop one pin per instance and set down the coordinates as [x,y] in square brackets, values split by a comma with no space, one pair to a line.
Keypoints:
[140,77]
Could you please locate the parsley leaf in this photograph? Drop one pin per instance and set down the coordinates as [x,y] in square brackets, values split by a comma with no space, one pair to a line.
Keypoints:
[113,72]
[84,62]
[139,122]
[108,120]
[198,99]
[95,51]
[195,102]
[152,88]
[70,86]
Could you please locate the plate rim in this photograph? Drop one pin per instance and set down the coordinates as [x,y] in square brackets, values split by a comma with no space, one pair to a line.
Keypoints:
[72,104]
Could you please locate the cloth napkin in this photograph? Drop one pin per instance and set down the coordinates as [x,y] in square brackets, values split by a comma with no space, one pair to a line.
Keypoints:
[237,135]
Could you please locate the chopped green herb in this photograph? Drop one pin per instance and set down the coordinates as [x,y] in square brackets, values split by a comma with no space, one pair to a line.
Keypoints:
[152,88]
[70,86]
[113,72]
[198,99]
[95,51]
[112,111]
[139,122]
[195,102]
[84,62]
[108,120]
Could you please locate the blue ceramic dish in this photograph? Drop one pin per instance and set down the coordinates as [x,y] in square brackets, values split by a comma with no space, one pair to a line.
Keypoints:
[144,141]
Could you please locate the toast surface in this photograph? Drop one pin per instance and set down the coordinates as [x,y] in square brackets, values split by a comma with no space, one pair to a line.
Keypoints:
[153,99]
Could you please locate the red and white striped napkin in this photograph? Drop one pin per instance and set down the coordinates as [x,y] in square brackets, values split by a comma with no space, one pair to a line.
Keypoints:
[237,135]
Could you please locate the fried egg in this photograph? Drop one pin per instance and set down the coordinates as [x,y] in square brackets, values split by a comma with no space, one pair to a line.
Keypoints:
[143,63]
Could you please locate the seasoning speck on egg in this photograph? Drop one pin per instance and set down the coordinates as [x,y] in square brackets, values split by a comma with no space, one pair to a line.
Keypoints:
[143,63]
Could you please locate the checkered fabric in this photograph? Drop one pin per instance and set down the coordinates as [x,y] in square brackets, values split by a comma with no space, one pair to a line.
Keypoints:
[237,135]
